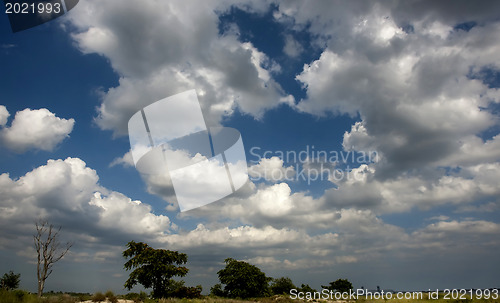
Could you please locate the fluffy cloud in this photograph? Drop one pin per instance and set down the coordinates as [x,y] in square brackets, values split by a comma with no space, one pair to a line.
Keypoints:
[271,169]
[4,115]
[264,205]
[160,49]
[358,189]
[465,188]
[126,160]
[67,192]
[34,129]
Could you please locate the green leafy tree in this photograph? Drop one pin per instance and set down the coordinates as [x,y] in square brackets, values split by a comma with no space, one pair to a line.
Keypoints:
[340,285]
[154,268]
[10,280]
[243,280]
[282,286]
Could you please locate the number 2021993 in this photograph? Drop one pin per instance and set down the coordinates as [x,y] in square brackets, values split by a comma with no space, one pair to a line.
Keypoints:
[32,8]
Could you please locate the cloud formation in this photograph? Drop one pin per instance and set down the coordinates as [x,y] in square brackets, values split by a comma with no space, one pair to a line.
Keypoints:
[418,104]
[34,129]
[160,49]
[126,160]
[67,192]
[271,169]
[4,115]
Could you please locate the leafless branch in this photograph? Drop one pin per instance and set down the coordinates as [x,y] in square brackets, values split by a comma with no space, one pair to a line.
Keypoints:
[48,250]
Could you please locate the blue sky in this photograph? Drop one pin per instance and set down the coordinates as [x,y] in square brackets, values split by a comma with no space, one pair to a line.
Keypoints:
[415,83]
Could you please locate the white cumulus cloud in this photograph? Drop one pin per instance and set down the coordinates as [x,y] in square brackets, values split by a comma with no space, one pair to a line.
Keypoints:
[4,115]
[271,169]
[67,192]
[36,129]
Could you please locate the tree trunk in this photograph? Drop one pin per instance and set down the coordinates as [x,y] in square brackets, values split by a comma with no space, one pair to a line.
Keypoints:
[41,285]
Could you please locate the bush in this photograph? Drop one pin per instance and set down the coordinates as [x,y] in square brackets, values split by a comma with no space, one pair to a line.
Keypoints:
[217,291]
[109,293]
[173,288]
[83,297]
[188,292]
[111,296]
[65,298]
[306,288]
[282,286]
[10,280]
[136,297]
[98,297]
[19,294]
[340,285]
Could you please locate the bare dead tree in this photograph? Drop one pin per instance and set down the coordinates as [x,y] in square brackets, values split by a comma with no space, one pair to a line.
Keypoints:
[48,249]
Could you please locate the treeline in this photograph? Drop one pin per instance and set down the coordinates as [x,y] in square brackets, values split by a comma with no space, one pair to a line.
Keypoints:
[155,268]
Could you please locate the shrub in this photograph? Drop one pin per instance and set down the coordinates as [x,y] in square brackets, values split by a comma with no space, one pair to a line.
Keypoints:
[10,280]
[83,297]
[306,288]
[217,291]
[340,285]
[98,297]
[19,294]
[109,293]
[65,298]
[141,297]
[282,286]
[111,296]
[188,292]
[132,296]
